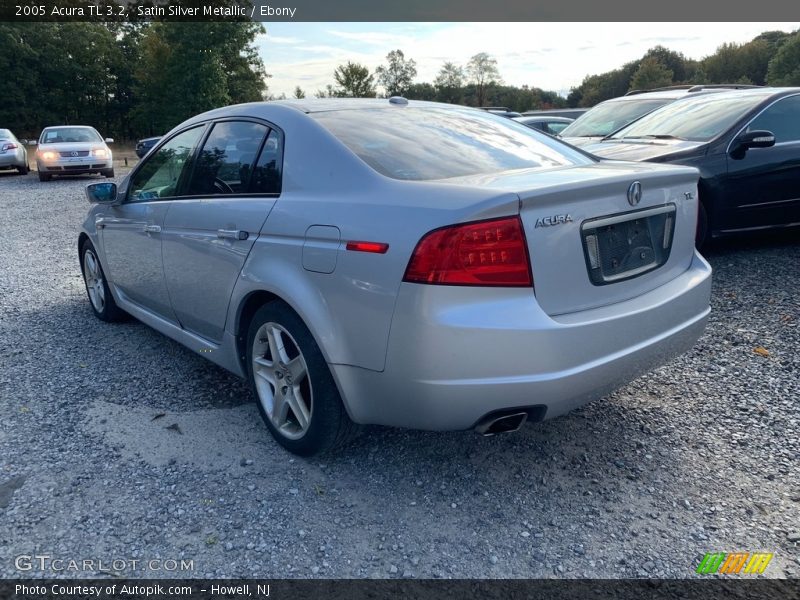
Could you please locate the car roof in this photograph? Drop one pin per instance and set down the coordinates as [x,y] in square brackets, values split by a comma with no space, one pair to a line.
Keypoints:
[678,92]
[313,105]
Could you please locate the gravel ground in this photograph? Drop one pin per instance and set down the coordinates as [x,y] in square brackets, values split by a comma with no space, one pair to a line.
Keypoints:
[698,456]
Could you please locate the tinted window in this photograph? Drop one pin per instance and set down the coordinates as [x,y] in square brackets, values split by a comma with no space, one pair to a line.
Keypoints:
[606,118]
[438,143]
[698,119]
[160,174]
[225,163]
[782,119]
[266,177]
[59,135]
[5,134]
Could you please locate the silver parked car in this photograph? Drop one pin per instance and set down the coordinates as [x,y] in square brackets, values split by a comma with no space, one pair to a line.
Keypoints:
[13,154]
[73,150]
[399,263]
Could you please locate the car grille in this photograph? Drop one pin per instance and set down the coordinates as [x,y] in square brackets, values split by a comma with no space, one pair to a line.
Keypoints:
[74,154]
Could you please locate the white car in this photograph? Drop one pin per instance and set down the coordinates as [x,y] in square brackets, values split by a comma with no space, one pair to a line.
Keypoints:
[12,152]
[73,150]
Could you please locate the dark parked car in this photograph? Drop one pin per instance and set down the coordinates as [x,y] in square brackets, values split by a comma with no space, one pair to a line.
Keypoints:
[746,145]
[550,125]
[143,146]
[612,115]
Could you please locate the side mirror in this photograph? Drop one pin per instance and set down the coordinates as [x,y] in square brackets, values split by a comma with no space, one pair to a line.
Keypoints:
[101,193]
[756,139]
[24,142]
[109,140]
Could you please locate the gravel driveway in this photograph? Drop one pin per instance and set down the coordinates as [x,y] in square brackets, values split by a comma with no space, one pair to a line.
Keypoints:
[118,444]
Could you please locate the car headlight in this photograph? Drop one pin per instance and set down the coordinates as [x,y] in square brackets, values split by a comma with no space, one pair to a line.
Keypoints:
[101,153]
[48,155]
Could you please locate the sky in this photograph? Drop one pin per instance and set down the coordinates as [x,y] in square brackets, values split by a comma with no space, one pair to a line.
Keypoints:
[552,56]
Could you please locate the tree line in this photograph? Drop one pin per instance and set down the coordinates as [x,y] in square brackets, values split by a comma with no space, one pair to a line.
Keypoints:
[130,80]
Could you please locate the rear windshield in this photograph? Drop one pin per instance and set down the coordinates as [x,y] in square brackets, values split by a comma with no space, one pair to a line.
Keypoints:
[58,135]
[416,143]
[608,117]
[5,134]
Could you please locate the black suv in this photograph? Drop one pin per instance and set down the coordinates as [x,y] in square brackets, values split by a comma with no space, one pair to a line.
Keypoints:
[746,145]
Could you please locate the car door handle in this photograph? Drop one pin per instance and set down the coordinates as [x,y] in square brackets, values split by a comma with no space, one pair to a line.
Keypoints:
[152,228]
[232,234]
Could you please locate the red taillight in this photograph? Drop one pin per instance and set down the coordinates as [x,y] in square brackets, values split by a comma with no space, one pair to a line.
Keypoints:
[9,146]
[484,253]
[375,247]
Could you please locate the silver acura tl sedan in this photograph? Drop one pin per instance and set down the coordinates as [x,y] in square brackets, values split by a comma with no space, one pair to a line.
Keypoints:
[399,263]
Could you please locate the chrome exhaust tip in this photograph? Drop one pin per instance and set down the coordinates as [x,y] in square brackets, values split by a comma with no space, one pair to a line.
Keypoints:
[507,423]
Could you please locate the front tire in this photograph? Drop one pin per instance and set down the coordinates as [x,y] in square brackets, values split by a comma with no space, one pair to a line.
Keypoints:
[44,176]
[100,298]
[295,391]
[108,173]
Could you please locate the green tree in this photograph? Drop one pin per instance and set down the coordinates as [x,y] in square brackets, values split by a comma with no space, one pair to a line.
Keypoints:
[396,76]
[354,81]
[299,93]
[784,69]
[651,74]
[483,73]
[449,83]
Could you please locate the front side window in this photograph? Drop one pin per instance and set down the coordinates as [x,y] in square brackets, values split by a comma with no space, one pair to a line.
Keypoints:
[225,163]
[160,174]
[782,119]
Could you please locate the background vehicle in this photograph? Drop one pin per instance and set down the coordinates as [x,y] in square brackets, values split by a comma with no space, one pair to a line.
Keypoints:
[549,125]
[374,261]
[746,145]
[611,115]
[569,113]
[73,150]
[501,111]
[13,154]
[143,146]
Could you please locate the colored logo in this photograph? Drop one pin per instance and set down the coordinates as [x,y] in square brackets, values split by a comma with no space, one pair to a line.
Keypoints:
[735,563]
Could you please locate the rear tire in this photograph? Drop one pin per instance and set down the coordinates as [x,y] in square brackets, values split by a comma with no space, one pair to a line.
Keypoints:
[294,389]
[44,176]
[108,173]
[23,170]
[100,298]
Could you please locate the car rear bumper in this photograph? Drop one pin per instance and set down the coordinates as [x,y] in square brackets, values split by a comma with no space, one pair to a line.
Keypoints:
[454,357]
[11,159]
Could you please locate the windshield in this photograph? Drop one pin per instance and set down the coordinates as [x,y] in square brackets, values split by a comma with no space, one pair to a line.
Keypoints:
[698,119]
[59,135]
[440,143]
[608,117]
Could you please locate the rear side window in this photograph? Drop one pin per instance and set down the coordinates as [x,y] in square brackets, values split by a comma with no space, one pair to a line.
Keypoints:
[266,177]
[782,119]
[225,163]
[416,143]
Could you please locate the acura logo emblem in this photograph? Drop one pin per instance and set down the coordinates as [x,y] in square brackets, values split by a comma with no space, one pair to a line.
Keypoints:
[73,153]
[635,193]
